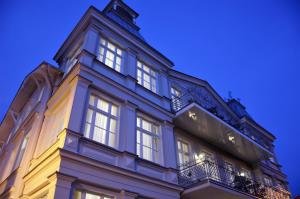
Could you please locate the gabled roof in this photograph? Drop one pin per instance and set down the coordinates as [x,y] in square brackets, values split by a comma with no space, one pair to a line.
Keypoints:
[204,83]
[24,92]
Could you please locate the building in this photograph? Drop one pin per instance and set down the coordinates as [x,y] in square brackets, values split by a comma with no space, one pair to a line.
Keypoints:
[114,120]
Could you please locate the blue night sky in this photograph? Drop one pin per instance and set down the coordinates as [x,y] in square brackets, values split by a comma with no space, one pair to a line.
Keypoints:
[249,47]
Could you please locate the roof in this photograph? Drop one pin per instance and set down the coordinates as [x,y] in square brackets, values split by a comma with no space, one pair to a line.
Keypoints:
[83,22]
[25,90]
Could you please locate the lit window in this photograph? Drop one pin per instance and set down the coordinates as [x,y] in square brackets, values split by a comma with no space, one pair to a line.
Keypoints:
[176,99]
[147,77]
[101,122]
[147,140]
[110,55]
[21,152]
[85,195]
[183,153]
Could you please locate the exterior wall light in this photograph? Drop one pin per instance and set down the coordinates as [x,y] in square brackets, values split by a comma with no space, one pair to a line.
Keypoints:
[192,115]
[231,139]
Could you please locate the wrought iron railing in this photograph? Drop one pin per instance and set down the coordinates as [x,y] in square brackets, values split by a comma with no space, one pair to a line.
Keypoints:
[177,103]
[196,172]
[209,171]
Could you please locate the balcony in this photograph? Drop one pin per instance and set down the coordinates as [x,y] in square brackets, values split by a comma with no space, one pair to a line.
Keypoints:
[214,181]
[207,120]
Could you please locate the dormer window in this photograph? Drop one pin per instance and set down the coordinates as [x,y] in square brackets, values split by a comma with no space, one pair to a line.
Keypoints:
[147,77]
[110,55]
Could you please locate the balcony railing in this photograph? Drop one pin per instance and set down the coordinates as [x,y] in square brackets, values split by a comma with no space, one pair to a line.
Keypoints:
[205,101]
[193,173]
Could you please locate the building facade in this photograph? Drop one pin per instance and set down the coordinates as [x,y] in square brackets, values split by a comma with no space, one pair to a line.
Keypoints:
[115,121]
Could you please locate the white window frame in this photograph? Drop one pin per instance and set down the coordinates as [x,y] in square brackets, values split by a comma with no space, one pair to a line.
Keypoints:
[181,153]
[103,48]
[153,76]
[109,116]
[156,154]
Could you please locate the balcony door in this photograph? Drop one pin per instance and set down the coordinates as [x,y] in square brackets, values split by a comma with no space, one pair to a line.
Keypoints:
[183,149]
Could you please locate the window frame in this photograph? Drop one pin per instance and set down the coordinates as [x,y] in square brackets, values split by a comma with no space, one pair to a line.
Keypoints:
[109,116]
[152,78]
[189,153]
[158,152]
[115,53]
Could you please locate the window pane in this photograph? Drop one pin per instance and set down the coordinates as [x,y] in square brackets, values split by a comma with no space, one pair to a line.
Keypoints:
[146,77]
[114,110]
[92,100]
[138,122]
[109,63]
[139,64]
[119,52]
[113,125]
[147,69]
[146,125]
[118,60]
[138,137]
[111,46]
[118,68]
[112,139]
[89,116]
[147,153]
[87,129]
[91,196]
[101,120]
[147,85]
[155,129]
[99,135]
[102,41]
[102,105]
[185,148]
[138,149]
[179,146]
[147,140]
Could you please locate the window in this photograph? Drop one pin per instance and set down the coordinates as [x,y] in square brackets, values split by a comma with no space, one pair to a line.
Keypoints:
[21,153]
[175,97]
[147,140]
[110,54]
[101,122]
[86,195]
[183,153]
[147,77]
